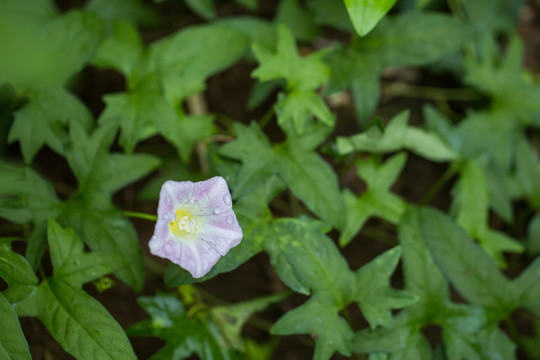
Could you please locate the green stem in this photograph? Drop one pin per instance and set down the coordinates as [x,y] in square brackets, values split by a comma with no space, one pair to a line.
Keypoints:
[428,92]
[139,215]
[436,188]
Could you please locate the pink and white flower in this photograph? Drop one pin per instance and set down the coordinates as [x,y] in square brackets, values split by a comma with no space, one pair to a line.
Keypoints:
[196,224]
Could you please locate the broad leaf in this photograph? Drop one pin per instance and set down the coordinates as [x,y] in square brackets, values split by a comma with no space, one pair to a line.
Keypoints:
[312,180]
[365,14]
[13,345]
[71,264]
[469,268]
[421,274]
[25,196]
[300,21]
[83,327]
[184,61]
[107,230]
[135,11]
[63,45]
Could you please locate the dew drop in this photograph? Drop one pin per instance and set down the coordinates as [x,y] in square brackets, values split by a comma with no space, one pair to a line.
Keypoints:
[227,199]
[229,220]
[217,211]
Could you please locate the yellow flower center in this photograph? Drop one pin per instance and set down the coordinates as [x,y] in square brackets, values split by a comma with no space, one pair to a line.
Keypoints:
[185,223]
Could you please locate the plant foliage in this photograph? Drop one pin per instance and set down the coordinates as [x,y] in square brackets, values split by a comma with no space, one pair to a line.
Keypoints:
[383,160]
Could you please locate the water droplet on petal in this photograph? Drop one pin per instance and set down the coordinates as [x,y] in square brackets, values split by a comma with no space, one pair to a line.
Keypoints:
[229,220]
[217,211]
[227,199]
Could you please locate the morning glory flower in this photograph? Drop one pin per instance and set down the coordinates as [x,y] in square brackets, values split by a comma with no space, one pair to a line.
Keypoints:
[196,224]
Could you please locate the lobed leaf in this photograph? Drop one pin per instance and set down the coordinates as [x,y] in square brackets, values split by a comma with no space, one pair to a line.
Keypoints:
[332,333]
[398,135]
[373,292]
[71,264]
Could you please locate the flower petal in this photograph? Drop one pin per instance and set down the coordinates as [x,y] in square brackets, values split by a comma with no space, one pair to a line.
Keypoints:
[206,204]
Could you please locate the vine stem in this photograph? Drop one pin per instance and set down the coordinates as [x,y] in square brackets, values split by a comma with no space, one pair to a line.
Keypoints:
[436,188]
[428,92]
[139,215]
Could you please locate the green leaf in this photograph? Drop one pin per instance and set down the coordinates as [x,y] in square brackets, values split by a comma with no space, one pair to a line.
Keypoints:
[413,39]
[471,203]
[373,292]
[470,199]
[122,50]
[486,343]
[359,72]
[184,61]
[533,236]
[63,45]
[36,243]
[313,181]
[308,176]
[301,73]
[492,16]
[204,8]
[474,274]
[398,135]
[365,14]
[107,230]
[505,80]
[13,345]
[297,19]
[80,323]
[421,274]
[142,113]
[135,11]
[298,107]
[330,12]
[248,4]
[20,277]
[377,200]
[402,341]
[527,287]
[305,257]
[313,257]
[14,268]
[253,148]
[255,29]
[25,196]
[184,334]
[43,121]
[231,318]
[71,264]
[331,332]
[98,170]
